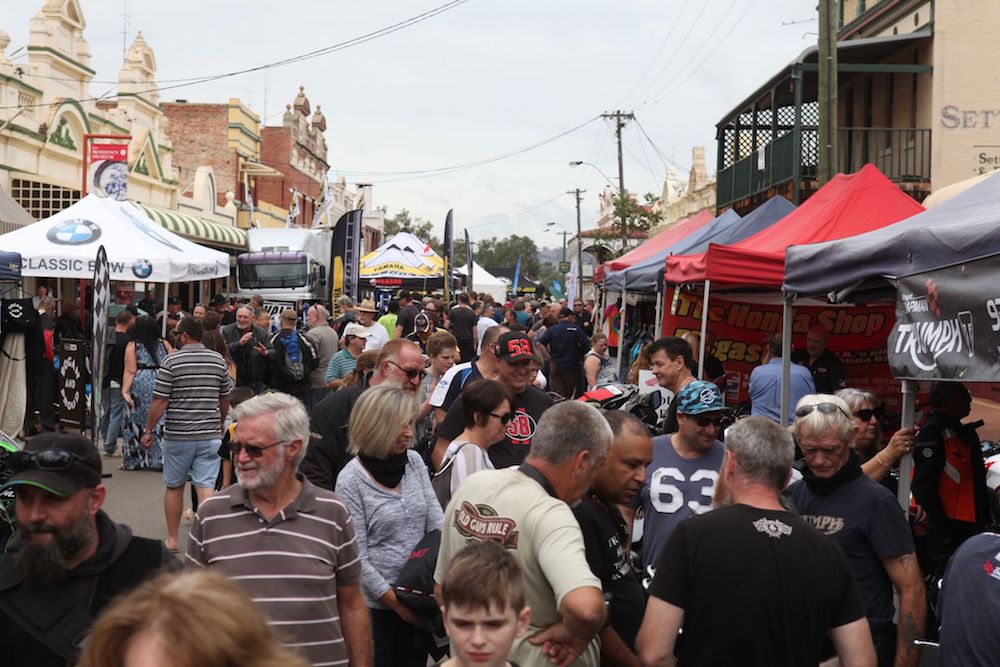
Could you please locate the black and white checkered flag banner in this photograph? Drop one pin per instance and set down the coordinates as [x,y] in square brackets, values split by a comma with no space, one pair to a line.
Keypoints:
[102,288]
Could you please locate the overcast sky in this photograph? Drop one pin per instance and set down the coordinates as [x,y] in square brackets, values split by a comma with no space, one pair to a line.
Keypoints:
[480,80]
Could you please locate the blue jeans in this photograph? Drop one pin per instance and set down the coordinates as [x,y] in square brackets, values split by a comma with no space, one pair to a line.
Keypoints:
[112,418]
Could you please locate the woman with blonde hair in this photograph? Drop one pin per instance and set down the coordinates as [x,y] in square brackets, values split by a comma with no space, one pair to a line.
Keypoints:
[877,457]
[389,494]
[196,618]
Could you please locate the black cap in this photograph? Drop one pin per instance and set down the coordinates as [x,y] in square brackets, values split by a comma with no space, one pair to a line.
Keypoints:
[83,471]
[515,346]
[174,301]
[217,299]
[566,312]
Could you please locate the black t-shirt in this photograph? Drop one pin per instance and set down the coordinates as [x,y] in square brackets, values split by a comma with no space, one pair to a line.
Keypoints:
[116,358]
[867,522]
[827,374]
[670,421]
[462,320]
[758,587]
[970,604]
[405,318]
[511,451]
[604,537]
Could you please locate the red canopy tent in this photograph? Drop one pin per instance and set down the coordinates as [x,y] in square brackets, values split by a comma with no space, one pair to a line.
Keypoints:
[846,206]
[663,240]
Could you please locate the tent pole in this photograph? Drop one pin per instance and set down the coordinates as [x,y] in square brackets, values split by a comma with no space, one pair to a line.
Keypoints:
[659,314]
[166,299]
[621,333]
[704,328]
[786,357]
[906,463]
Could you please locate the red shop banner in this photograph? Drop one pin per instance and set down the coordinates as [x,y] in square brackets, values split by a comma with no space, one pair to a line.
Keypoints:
[858,336]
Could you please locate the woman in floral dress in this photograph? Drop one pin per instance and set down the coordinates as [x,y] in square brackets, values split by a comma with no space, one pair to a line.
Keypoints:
[143,356]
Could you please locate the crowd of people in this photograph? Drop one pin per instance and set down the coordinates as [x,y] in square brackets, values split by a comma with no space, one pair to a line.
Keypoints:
[383,490]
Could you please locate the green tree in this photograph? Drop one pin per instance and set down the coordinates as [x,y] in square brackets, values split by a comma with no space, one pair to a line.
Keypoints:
[494,252]
[638,217]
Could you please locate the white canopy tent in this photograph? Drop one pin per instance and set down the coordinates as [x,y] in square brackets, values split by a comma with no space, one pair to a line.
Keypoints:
[138,249]
[483,282]
[65,246]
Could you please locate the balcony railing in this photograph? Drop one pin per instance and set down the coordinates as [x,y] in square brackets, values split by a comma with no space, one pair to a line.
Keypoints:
[902,154]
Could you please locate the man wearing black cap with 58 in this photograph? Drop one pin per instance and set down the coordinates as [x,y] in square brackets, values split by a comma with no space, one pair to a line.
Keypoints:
[69,559]
[515,354]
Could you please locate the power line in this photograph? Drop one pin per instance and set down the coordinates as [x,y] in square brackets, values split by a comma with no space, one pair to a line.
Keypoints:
[339,46]
[718,44]
[663,156]
[655,57]
[652,83]
[427,173]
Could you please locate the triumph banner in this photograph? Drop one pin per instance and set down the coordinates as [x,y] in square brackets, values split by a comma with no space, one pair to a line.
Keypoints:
[948,324]
[857,336]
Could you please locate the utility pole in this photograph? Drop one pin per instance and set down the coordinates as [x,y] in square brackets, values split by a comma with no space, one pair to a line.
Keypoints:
[620,118]
[828,150]
[578,194]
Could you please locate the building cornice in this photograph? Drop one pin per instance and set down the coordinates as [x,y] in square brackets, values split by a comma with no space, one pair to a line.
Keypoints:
[62,56]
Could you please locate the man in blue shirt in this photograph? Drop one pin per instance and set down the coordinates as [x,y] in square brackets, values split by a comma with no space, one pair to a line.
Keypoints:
[567,345]
[765,384]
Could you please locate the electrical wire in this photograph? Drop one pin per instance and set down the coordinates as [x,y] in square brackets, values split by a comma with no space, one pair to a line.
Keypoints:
[655,57]
[662,155]
[339,46]
[665,93]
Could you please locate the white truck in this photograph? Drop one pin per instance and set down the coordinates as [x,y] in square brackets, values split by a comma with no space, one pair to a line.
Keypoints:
[286,266]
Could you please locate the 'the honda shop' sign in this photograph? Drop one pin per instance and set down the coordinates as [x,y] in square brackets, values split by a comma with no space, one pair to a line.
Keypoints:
[948,324]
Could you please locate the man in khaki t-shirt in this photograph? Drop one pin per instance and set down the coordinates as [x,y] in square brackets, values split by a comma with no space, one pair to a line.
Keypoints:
[526,511]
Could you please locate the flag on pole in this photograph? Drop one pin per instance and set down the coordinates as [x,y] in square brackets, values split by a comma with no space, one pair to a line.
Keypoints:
[572,283]
[102,287]
[324,207]
[293,210]
[468,260]
[346,251]
[251,215]
[517,277]
[449,254]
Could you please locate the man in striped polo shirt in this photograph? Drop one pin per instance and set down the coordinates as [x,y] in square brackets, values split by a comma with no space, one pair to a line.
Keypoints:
[192,387]
[289,543]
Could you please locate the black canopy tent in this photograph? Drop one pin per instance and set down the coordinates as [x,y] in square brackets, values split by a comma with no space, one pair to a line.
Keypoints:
[939,266]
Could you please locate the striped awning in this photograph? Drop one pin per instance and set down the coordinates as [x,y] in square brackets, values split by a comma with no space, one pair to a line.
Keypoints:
[198,229]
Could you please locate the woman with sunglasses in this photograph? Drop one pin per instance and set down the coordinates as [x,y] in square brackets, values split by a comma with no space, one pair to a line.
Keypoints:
[388,492]
[876,458]
[487,409]
[143,356]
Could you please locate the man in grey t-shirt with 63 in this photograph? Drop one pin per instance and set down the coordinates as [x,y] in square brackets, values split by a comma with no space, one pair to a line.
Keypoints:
[681,480]
[192,387]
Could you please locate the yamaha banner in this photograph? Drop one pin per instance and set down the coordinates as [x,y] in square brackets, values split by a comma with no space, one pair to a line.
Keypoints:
[948,324]
[346,256]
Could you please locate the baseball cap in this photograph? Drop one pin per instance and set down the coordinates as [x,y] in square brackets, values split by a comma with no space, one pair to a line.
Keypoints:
[515,346]
[566,312]
[355,329]
[698,397]
[289,315]
[60,463]
[174,301]
[422,323]
[217,299]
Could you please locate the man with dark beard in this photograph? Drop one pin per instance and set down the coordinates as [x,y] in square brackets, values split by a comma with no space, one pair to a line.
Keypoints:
[69,558]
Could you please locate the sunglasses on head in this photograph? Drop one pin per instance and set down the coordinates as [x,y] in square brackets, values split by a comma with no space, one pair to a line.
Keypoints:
[253,451]
[704,421]
[867,414]
[504,418]
[44,459]
[825,408]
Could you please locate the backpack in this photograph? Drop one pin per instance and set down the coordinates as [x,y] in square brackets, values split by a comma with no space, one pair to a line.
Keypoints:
[299,358]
